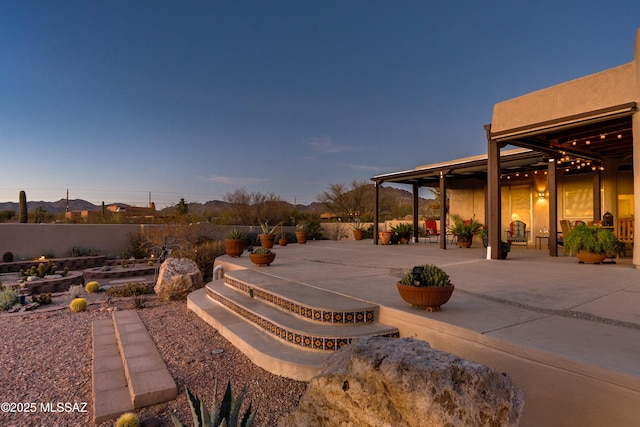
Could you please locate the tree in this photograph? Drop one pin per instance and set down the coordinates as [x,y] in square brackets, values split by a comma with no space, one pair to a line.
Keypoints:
[182,208]
[252,208]
[41,215]
[348,203]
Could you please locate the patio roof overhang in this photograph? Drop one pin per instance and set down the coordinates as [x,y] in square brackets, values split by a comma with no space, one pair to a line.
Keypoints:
[476,166]
[594,135]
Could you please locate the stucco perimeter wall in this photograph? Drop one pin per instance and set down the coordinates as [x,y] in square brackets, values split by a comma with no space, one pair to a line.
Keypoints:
[34,240]
[609,88]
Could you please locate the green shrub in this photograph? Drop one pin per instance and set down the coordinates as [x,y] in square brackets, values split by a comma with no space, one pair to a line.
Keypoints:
[77,305]
[8,297]
[131,289]
[75,291]
[92,287]
[42,299]
[128,419]
[7,256]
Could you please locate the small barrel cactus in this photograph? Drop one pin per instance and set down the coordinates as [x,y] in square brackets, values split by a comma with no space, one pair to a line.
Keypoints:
[92,287]
[128,419]
[78,304]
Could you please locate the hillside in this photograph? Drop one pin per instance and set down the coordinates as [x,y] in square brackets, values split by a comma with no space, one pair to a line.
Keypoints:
[76,205]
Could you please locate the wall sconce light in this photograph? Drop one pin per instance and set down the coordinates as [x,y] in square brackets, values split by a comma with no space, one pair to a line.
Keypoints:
[541,195]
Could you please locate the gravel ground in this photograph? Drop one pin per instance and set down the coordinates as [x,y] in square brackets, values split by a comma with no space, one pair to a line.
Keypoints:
[46,358]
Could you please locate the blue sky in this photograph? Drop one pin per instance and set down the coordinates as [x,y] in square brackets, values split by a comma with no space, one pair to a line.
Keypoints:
[115,99]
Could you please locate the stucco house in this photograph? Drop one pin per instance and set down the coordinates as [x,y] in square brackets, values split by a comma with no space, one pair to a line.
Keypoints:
[574,158]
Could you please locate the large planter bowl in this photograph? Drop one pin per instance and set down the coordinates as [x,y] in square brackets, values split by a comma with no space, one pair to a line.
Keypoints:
[266,240]
[262,259]
[234,247]
[429,297]
[358,234]
[590,257]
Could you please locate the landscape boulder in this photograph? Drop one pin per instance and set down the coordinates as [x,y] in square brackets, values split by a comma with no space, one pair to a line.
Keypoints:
[178,277]
[403,382]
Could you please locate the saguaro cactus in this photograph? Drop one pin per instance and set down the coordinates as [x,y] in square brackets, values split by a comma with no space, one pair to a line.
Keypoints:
[23,207]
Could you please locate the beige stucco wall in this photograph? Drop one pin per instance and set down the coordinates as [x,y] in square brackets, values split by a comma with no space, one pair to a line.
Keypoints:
[608,88]
[33,240]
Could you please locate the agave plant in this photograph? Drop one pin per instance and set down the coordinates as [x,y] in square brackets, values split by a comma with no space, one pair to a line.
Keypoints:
[222,414]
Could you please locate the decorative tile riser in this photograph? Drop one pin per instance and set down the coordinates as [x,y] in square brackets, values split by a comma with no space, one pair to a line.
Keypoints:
[290,337]
[308,313]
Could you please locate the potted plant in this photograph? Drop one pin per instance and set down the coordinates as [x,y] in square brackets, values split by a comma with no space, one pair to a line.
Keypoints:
[425,286]
[385,236]
[268,235]
[464,229]
[403,230]
[262,256]
[358,229]
[505,247]
[283,237]
[234,243]
[301,233]
[591,243]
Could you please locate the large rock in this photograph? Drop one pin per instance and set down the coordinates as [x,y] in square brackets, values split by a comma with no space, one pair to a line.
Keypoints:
[178,277]
[403,382]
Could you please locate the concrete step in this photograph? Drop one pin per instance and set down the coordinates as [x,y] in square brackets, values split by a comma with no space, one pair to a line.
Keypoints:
[110,392]
[300,299]
[128,371]
[147,375]
[283,326]
[290,327]
[265,350]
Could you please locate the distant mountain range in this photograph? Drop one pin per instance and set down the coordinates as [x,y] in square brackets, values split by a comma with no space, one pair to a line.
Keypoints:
[77,205]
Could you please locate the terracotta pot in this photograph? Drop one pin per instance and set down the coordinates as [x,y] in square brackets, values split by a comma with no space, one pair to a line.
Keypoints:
[234,247]
[358,234]
[283,242]
[262,259]
[465,240]
[590,257]
[428,296]
[385,237]
[301,236]
[266,240]
[405,237]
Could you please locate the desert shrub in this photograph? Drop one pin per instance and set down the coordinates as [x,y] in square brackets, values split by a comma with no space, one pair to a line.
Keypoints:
[77,251]
[139,302]
[42,299]
[131,289]
[204,254]
[78,304]
[92,286]
[75,291]
[7,256]
[8,297]
[138,245]
[128,419]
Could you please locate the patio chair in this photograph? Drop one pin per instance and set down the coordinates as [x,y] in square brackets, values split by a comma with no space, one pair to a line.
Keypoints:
[517,233]
[565,226]
[431,230]
[624,232]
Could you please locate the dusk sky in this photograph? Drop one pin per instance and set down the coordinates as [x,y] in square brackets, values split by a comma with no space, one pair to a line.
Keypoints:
[112,100]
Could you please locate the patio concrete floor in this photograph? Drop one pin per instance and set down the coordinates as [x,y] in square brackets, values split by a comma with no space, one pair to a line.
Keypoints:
[567,333]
